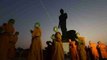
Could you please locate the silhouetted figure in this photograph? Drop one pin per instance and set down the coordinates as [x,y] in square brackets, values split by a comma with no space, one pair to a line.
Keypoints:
[62,23]
[71,34]
[98,48]
[87,53]
[48,50]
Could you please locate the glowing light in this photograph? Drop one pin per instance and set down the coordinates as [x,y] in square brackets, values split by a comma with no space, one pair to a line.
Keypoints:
[37,24]
[55,29]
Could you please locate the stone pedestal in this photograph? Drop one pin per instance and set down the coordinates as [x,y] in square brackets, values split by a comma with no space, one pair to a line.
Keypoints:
[66,47]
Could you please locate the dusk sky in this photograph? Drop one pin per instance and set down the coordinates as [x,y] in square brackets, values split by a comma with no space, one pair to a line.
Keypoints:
[88,17]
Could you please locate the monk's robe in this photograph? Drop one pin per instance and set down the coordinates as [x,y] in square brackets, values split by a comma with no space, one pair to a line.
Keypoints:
[6,38]
[103,50]
[93,47]
[73,50]
[12,50]
[81,48]
[36,52]
[9,29]
[4,46]
[58,52]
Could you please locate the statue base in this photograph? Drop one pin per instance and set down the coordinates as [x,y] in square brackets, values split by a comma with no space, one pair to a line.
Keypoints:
[66,47]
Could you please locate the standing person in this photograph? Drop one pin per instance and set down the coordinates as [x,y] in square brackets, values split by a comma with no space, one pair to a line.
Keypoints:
[81,48]
[58,53]
[48,50]
[62,23]
[102,50]
[94,51]
[36,52]
[9,27]
[8,30]
[73,50]
[4,42]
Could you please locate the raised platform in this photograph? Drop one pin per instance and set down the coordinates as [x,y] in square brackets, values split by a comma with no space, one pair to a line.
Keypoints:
[66,47]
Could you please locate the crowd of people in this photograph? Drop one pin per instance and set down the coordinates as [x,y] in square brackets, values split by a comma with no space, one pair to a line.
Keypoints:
[79,51]
[54,50]
[94,51]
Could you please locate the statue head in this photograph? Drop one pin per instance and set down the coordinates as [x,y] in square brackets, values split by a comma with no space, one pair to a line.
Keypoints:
[61,11]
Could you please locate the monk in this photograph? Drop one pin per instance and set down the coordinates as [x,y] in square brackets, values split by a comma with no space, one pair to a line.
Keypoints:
[94,51]
[81,48]
[8,30]
[8,27]
[4,42]
[103,50]
[73,50]
[58,52]
[36,52]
